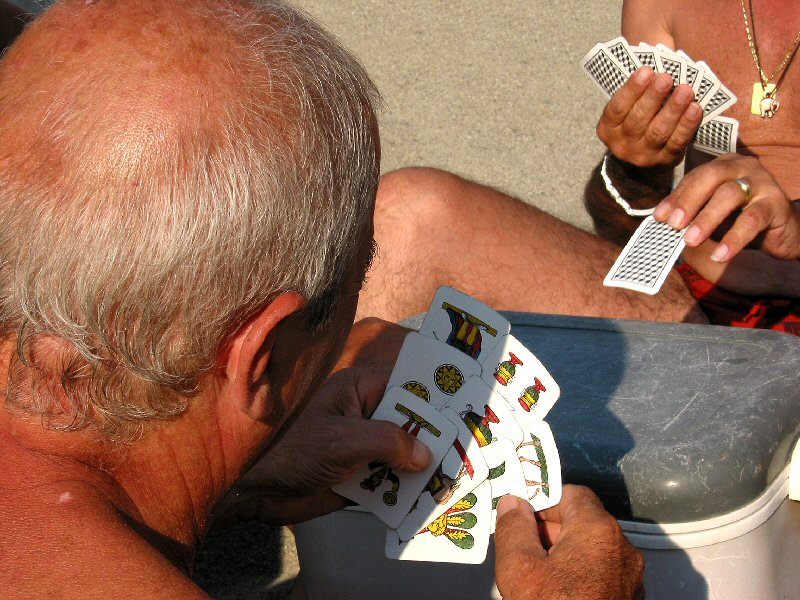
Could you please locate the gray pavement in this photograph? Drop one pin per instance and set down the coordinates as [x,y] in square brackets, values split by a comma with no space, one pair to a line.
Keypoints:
[489,90]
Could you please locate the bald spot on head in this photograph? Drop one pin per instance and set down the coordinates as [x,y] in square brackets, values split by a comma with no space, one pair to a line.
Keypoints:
[97,92]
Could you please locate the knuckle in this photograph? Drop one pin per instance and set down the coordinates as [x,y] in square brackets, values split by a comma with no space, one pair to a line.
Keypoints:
[748,162]
[757,216]
[581,491]
[602,131]
[607,528]
[657,133]
[616,106]
[636,117]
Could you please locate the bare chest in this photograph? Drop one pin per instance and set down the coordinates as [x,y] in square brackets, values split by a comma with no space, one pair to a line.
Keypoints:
[714,31]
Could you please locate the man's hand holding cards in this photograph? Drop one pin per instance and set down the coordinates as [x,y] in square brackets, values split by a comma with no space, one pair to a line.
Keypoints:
[647,124]
[477,397]
[611,64]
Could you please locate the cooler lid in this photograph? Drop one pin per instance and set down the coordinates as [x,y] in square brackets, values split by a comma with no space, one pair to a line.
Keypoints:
[669,423]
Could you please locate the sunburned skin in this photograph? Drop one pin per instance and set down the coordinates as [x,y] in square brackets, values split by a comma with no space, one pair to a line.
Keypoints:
[724,46]
[774,141]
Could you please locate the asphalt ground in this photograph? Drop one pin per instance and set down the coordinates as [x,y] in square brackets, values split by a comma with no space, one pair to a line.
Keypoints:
[491,91]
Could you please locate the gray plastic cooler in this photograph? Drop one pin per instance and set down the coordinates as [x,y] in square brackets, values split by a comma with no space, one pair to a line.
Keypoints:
[687,434]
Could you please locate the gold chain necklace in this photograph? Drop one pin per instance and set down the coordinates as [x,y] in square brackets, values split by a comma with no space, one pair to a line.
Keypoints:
[765,92]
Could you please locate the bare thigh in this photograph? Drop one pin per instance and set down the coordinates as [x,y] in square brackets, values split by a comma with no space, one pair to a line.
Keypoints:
[433,229]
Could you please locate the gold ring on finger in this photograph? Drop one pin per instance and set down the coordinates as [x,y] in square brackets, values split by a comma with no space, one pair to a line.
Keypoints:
[748,193]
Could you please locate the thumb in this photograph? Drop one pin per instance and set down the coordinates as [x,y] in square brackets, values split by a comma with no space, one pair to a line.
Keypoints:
[518,547]
[384,442]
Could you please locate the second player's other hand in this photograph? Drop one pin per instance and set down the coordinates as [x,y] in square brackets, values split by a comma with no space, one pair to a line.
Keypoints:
[573,550]
[328,442]
[647,123]
[710,194]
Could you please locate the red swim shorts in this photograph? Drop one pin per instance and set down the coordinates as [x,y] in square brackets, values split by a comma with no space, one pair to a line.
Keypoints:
[726,308]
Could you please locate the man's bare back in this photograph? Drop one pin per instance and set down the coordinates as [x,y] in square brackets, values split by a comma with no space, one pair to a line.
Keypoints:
[433,228]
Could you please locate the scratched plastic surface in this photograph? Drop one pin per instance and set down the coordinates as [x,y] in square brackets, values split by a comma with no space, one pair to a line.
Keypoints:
[668,423]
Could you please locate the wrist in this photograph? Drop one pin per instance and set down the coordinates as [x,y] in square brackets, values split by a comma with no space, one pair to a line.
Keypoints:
[642,187]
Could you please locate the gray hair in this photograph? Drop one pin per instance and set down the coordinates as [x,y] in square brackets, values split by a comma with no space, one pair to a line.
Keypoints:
[150,250]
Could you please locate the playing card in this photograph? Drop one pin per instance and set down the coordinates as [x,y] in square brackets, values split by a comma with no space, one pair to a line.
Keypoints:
[462,470]
[694,72]
[645,262]
[387,493]
[486,413]
[717,102]
[648,56]
[505,474]
[541,466]
[708,84]
[431,370]
[605,70]
[459,535]
[717,136]
[674,64]
[463,322]
[513,371]
[619,49]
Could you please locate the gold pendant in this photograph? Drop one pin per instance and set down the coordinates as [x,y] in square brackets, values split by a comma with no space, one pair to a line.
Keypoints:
[762,94]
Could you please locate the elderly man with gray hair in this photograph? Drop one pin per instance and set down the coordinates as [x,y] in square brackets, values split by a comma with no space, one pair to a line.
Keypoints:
[186,196]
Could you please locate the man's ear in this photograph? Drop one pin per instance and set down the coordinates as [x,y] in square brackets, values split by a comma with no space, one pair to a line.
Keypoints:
[249,352]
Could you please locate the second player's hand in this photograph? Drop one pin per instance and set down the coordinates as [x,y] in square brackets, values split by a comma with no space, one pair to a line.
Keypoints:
[710,194]
[647,123]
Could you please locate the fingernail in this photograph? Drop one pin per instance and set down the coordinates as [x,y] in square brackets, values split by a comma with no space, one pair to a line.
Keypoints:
[663,83]
[692,234]
[720,253]
[662,211]
[508,503]
[420,455]
[676,220]
[643,74]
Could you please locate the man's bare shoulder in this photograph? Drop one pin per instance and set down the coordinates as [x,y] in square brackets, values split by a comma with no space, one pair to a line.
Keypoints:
[96,552]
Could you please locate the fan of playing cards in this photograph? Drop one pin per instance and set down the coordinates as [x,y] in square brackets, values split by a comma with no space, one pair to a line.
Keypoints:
[649,255]
[477,397]
[610,65]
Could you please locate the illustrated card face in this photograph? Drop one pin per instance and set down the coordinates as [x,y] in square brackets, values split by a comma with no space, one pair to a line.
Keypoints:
[387,493]
[645,262]
[462,470]
[505,474]
[541,466]
[459,535]
[605,70]
[464,323]
[515,373]
[717,136]
[619,49]
[485,413]
[431,370]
